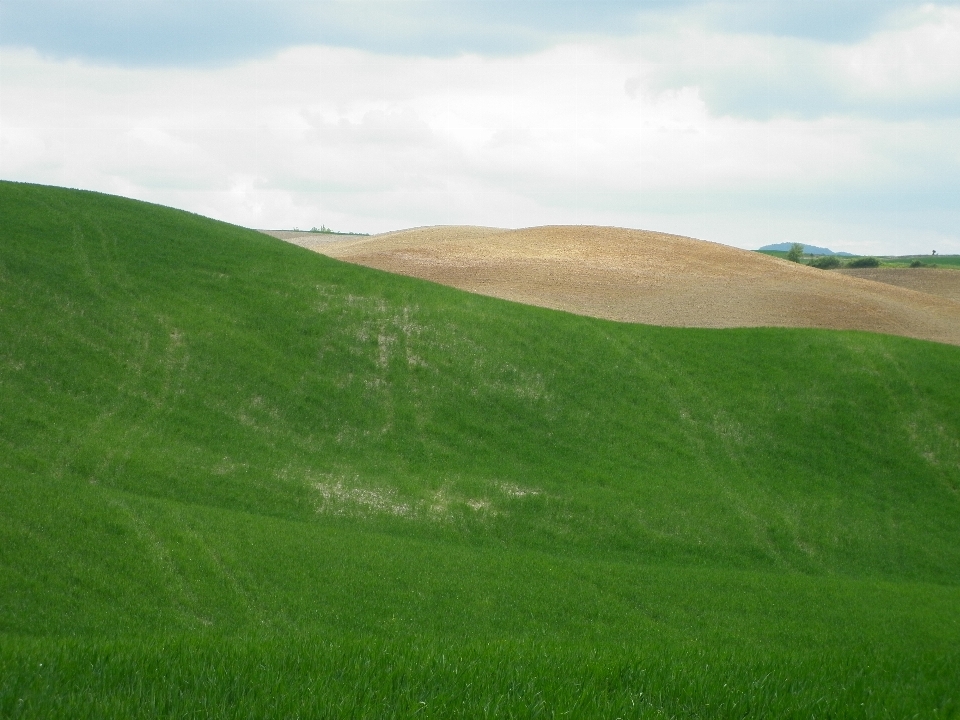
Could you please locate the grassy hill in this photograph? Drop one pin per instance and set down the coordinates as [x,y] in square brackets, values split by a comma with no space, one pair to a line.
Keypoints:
[240,479]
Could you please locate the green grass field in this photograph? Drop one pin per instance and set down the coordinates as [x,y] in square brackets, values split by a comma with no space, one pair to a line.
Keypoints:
[240,479]
[945,262]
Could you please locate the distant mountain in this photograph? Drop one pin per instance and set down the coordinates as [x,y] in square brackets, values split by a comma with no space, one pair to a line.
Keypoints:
[807,249]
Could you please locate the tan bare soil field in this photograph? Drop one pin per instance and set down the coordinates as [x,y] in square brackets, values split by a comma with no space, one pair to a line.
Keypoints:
[647,277]
[936,281]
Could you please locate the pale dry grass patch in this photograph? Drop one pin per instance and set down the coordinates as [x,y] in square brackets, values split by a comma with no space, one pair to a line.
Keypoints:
[350,497]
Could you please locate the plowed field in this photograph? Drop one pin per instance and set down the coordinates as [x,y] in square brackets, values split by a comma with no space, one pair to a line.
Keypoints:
[945,283]
[650,277]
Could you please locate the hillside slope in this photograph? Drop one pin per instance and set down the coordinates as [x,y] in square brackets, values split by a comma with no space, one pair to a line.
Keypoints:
[649,277]
[243,479]
[933,281]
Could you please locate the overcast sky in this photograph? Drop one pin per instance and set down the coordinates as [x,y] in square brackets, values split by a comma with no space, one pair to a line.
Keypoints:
[745,122]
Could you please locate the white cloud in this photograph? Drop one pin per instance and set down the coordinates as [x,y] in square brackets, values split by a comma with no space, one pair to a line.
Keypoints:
[585,132]
[909,69]
[920,59]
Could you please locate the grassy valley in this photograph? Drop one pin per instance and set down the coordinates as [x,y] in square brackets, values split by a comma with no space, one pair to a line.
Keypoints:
[241,479]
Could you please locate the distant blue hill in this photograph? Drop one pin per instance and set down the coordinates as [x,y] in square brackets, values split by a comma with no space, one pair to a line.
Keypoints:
[807,249]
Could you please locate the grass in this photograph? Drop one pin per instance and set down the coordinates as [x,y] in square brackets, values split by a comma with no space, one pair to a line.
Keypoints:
[241,479]
[944,262]
[399,677]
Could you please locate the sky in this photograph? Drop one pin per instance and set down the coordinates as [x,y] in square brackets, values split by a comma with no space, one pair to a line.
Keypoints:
[745,122]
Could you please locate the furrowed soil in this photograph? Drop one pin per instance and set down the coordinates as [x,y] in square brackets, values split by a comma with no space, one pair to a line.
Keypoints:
[657,279]
[945,283]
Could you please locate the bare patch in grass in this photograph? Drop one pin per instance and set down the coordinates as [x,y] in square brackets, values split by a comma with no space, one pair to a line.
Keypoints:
[338,495]
[338,499]
[511,490]
[349,498]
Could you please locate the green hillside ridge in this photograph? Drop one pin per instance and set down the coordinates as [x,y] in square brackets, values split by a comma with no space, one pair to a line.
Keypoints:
[241,479]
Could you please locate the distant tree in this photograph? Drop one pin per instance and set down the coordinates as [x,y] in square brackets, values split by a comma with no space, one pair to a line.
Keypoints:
[825,262]
[864,262]
[795,253]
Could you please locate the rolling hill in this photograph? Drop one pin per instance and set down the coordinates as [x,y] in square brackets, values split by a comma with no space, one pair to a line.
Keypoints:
[649,277]
[241,479]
